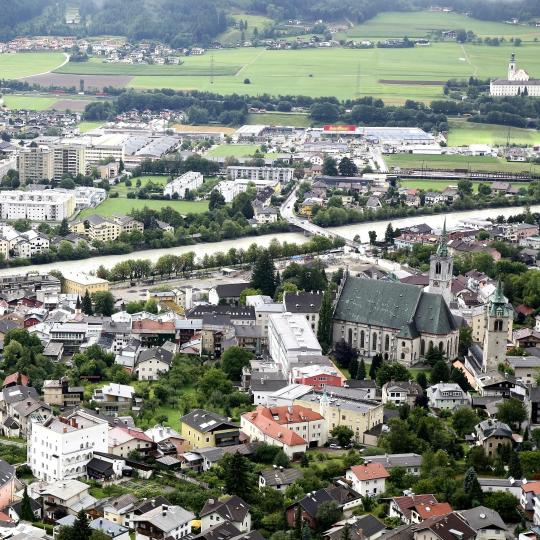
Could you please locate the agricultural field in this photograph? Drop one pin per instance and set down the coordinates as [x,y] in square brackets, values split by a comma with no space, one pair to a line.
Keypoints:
[280,119]
[474,163]
[232,36]
[420,24]
[441,185]
[463,133]
[121,206]
[233,150]
[31,103]
[16,66]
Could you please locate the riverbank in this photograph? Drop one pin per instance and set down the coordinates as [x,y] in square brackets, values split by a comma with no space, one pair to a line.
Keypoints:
[347,231]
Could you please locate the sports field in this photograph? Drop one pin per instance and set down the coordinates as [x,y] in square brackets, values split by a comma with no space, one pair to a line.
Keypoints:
[420,24]
[15,66]
[473,163]
[86,126]
[440,185]
[463,133]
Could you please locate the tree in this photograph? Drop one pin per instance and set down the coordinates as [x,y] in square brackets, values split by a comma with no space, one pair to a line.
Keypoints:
[327,514]
[472,487]
[372,237]
[389,234]
[347,167]
[81,527]
[504,503]
[512,412]
[458,376]
[298,522]
[439,373]
[216,200]
[465,340]
[235,469]
[86,304]
[248,292]
[344,353]
[514,466]
[103,303]
[63,229]
[361,370]
[26,508]
[324,330]
[464,420]
[421,379]
[329,167]
[343,434]
[465,187]
[306,532]
[392,371]
[376,363]
[233,360]
[263,277]
[535,437]
[346,532]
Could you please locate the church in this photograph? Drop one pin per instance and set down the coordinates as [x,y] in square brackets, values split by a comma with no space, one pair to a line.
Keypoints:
[517,83]
[399,321]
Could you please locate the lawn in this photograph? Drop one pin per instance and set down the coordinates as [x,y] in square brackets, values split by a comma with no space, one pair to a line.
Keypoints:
[32,103]
[280,119]
[123,190]
[421,23]
[121,206]
[89,126]
[233,150]
[15,66]
[463,133]
[474,163]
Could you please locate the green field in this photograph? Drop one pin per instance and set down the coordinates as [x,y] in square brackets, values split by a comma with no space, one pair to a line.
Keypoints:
[33,103]
[15,66]
[233,150]
[440,185]
[123,190]
[474,163]
[232,36]
[120,206]
[420,24]
[280,119]
[463,133]
[89,126]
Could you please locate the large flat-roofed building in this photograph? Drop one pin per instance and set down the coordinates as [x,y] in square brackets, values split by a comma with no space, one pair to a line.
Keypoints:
[79,283]
[282,174]
[35,163]
[290,336]
[69,158]
[39,205]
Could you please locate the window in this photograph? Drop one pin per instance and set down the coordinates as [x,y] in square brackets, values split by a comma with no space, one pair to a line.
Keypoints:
[350,336]
[498,326]
[386,342]
[422,347]
[374,341]
[362,338]
[438,268]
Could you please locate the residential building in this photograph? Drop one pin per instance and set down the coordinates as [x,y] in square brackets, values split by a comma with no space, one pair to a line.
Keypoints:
[203,429]
[151,363]
[492,434]
[163,522]
[61,447]
[98,228]
[401,392]
[294,428]
[124,440]
[264,307]
[403,507]
[366,527]
[487,523]
[447,396]
[368,480]
[410,462]
[290,336]
[113,399]
[181,186]
[69,158]
[304,303]
[281,174]
[109,528]
[35,163]
[278,477]
[227,293]
[8,483]
[443,527]
[232,509]
[38,205]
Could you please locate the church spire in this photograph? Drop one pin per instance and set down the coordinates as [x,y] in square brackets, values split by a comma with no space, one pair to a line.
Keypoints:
[498,302]
[442,248]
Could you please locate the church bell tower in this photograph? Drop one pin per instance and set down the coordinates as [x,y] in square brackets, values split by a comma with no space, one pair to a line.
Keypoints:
[441,266]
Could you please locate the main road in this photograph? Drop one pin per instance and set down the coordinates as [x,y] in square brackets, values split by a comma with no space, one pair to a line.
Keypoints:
[349,232]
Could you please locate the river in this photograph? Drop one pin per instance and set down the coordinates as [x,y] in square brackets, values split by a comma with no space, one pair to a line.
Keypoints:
[348,231]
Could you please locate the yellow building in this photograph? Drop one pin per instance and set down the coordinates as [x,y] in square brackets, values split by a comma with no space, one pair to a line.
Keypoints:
[205,429]
[97,228]
[128,224]
[79,283]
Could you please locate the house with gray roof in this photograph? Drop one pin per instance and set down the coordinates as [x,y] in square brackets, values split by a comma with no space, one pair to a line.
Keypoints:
[447,396]
[233,509]
[410,462]
[163,522]
[492,434]
[487,523]
[401,392]
[398,321]
[278,477]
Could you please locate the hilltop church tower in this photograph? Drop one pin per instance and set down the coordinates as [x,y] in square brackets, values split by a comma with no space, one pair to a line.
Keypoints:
[512,67]
[441,266]
[496,335]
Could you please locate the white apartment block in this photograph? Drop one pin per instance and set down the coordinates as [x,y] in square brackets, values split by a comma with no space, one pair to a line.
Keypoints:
[89,197]
[289,336]
[280,174]
[35,163]
[60,448]
[46,205]
[69,158]
[230,189]
[189,181]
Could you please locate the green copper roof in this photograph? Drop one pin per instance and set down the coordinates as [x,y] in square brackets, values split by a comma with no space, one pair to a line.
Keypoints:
[498,303]
[442,248]
[394,305]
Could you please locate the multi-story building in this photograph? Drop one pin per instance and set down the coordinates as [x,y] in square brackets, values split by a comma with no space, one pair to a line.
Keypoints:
[281,174]
[46,205]
[163,522]
[98,228]
[58,392]
[189,181]
[368,480]
[447,396]
[35,163]
[203,429]
[78,283]
[114,398]
[290,336]
[61,447]
[69,158]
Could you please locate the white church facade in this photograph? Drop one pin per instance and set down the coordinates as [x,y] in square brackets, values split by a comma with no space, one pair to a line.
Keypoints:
[517,83]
